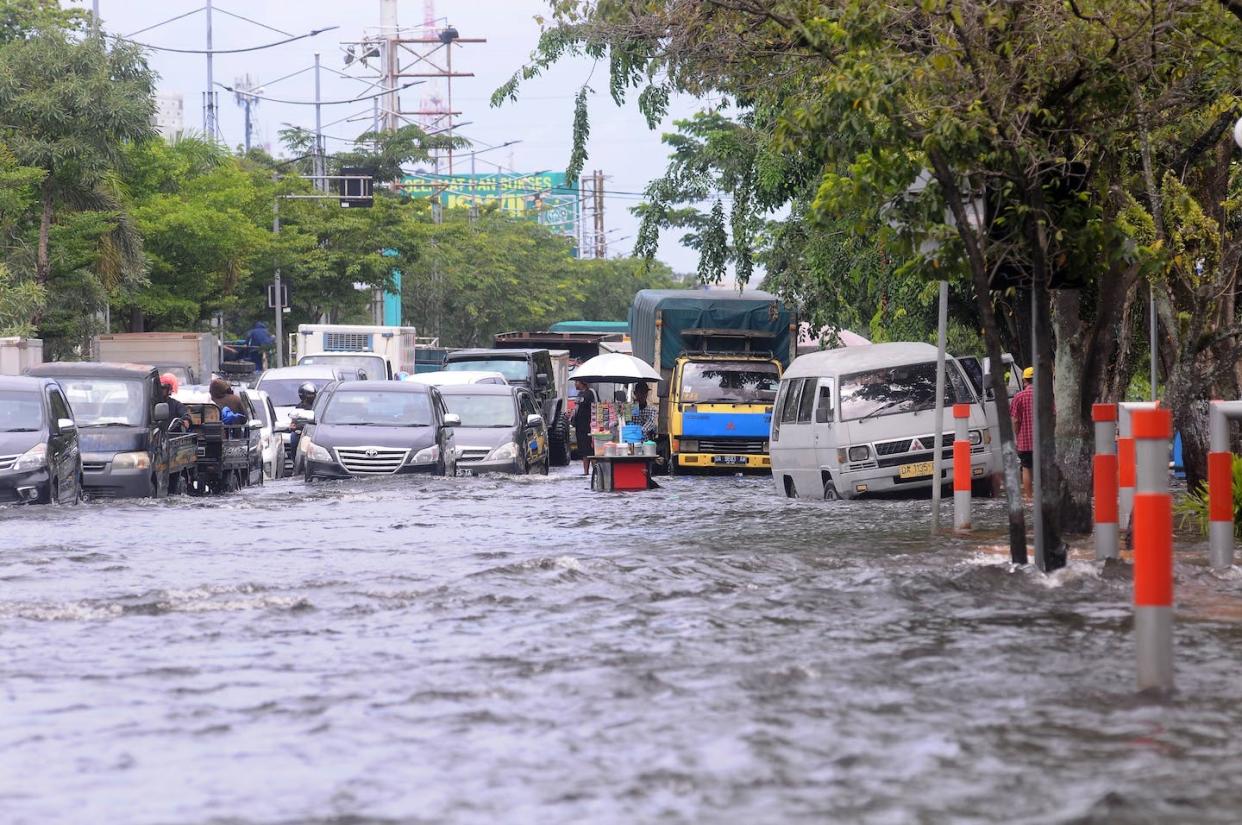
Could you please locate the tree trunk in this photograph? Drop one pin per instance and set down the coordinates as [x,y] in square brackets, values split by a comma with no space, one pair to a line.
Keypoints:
[136,320]
[1055,492]
[1073,392]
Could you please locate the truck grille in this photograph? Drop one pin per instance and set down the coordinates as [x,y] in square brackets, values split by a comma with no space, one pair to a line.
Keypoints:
[7,461]
[371,460]
[904,445]
[752,446]
[897,461]
[468,454]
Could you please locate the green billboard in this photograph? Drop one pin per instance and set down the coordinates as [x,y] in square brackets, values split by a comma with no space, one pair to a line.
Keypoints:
[541,196]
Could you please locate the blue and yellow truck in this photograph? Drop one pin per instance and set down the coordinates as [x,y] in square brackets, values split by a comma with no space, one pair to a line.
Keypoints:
[720,354]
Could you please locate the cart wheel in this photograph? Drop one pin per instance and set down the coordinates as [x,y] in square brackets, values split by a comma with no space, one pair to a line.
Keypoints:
[597,478]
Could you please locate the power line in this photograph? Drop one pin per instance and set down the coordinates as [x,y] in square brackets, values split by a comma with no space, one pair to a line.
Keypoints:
[312,33]
[316,102]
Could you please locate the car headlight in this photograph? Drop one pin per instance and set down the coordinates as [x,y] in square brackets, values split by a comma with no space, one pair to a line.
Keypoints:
[505,452]
[976,437]
[860,452]
[430,455]
[316,453]
[131,461]
[32,459]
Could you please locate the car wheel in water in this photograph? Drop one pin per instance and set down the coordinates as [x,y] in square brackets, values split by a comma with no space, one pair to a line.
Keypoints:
[830,491]
[543,467]
[558,441]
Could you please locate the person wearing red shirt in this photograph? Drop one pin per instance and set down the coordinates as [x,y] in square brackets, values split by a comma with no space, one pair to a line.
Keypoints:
[1022,411]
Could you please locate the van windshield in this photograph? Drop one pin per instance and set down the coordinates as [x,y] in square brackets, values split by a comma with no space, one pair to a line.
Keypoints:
[513,369]
[20,411]
[904,389]
[98,402]
[746,383]
[284,391]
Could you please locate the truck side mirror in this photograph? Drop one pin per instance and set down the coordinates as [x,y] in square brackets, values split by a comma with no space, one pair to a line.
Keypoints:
[65,425]
[662,389]
[534,420]
[542,380]
[452,420]
[161,412]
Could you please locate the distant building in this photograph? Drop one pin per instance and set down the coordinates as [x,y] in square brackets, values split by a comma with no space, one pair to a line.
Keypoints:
[169,118]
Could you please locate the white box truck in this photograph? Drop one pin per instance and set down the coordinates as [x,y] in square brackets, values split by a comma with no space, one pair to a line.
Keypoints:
[18,354]
[191,356]
[380,352]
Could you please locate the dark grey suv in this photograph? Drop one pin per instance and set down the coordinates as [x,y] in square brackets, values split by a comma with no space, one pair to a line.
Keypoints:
[40,461]
[374,428]
[501,430]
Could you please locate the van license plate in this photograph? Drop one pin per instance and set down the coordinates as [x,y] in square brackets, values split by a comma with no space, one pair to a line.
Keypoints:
[728,459]
[923,468]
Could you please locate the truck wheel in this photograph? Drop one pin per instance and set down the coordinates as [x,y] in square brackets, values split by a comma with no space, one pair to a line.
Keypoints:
[830,491]
[558,441]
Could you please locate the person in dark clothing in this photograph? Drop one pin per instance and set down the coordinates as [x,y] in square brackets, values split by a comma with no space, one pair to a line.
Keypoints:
[306,401]
[176,410]
[645,414]
[222,393]
[258,339]
[582,424]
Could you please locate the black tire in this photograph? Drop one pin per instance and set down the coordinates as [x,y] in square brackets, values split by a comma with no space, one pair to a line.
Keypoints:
[558,441]
[237,367]
[542,467]
[830,491]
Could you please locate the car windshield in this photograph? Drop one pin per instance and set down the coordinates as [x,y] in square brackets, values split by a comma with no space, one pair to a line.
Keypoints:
[284,391]
[513,369]
[20,411]
[371,365]
[483,410]
[730,383]
[97,402]
[378,409]
[904,389]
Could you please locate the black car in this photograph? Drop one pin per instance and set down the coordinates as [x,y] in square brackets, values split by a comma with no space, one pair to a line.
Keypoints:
[39,457]
[127,449]
[501,430]
[370,428]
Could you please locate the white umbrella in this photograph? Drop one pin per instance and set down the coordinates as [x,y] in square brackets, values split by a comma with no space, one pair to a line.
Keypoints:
[616,368]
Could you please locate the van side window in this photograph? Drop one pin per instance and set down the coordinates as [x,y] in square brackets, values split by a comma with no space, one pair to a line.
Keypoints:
[793,397]
[823,410]
[808,399]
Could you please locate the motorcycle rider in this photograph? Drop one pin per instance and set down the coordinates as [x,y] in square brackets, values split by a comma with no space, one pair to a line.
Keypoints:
[306,401]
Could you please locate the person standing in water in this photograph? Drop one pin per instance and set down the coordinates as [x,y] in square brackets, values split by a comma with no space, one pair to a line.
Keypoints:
[582,424]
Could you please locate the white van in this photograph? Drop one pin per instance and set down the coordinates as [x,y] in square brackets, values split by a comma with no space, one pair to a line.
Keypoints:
[860,420]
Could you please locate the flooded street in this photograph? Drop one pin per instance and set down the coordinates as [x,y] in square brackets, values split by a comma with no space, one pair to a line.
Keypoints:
[522,650]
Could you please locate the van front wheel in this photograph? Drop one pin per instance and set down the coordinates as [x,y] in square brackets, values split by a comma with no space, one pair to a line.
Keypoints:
[830,491]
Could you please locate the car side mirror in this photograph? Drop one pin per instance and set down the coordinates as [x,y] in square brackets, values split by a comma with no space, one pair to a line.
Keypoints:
[662,389]
[161,412]
[542,380]
[452,420]
[534,420]
[66,425]
[305,416]
[255,425]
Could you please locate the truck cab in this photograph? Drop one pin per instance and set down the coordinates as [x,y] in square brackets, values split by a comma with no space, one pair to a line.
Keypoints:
[717,411]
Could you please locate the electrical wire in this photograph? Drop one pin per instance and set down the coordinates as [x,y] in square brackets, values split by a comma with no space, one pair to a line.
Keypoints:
[312,33]
[318,102]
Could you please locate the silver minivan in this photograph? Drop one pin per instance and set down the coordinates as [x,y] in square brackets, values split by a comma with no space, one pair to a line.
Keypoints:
[861,420]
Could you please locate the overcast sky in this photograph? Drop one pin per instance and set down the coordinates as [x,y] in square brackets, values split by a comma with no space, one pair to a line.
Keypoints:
[621,144]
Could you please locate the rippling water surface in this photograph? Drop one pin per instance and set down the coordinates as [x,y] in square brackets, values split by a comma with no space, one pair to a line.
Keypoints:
[523,650]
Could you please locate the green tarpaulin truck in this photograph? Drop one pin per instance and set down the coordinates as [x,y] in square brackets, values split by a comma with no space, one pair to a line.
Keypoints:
[721,354]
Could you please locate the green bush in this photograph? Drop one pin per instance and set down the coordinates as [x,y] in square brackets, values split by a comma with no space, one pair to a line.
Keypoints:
[1193,509]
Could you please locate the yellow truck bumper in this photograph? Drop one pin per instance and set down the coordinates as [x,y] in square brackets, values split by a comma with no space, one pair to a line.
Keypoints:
[724,461]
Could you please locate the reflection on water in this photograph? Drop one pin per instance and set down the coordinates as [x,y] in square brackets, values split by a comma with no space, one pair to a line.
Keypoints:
[522,650]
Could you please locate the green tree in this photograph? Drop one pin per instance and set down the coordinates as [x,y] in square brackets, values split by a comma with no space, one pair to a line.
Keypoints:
[70,107]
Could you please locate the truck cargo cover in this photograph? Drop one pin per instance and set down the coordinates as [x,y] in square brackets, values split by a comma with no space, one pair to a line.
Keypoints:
[717,309]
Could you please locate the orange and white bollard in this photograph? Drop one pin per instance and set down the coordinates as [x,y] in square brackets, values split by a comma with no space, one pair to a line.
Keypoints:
[1220,484]
[961,467]
[1125,458]
[1153,551]
[1107,531]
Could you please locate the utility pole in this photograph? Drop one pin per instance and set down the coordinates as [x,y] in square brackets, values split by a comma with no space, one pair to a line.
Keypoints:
[95,17]
[601,243]
[209,115]
[319,165]
[279,300]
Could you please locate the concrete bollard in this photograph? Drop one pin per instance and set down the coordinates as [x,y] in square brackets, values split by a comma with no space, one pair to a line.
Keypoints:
[1220,484]
[961,467]
[1153,551]
[1107,531]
